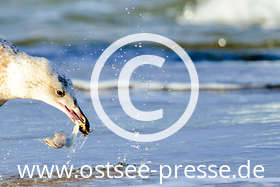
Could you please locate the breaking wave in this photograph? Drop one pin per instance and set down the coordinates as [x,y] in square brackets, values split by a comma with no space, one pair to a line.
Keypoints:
[176,86]
[263,13]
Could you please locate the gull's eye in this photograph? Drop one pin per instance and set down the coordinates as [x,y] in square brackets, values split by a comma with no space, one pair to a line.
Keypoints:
[60,93]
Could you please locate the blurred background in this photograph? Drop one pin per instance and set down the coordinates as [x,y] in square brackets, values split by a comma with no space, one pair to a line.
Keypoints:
[235,48]
[195,24]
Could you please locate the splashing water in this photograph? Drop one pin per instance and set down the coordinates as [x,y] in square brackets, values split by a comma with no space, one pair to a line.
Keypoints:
[74,143]
[72,139]
[71,142]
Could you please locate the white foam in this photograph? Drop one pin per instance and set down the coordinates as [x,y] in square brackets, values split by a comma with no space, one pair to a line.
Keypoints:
[265,13]
[173,86]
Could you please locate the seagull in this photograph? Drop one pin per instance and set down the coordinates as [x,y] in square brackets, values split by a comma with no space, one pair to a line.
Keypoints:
[26,77]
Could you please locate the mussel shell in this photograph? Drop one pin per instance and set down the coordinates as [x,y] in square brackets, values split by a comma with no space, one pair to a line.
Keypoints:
[57,142]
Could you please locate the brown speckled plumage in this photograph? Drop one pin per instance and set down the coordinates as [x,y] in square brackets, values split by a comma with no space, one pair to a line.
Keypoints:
[10,55]
[27,77]
[7,55]
[38,67]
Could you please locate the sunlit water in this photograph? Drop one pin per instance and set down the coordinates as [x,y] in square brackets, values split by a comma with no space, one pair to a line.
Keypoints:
[226,127]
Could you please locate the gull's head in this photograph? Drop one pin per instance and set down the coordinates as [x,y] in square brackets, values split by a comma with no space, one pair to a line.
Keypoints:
[33,78]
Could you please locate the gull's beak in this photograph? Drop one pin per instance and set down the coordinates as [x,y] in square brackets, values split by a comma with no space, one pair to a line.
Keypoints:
[78,118]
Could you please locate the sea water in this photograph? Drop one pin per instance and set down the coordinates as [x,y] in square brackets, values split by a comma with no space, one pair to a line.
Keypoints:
[227,127]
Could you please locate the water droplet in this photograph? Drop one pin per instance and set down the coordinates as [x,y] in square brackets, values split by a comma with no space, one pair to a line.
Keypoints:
[222,42]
